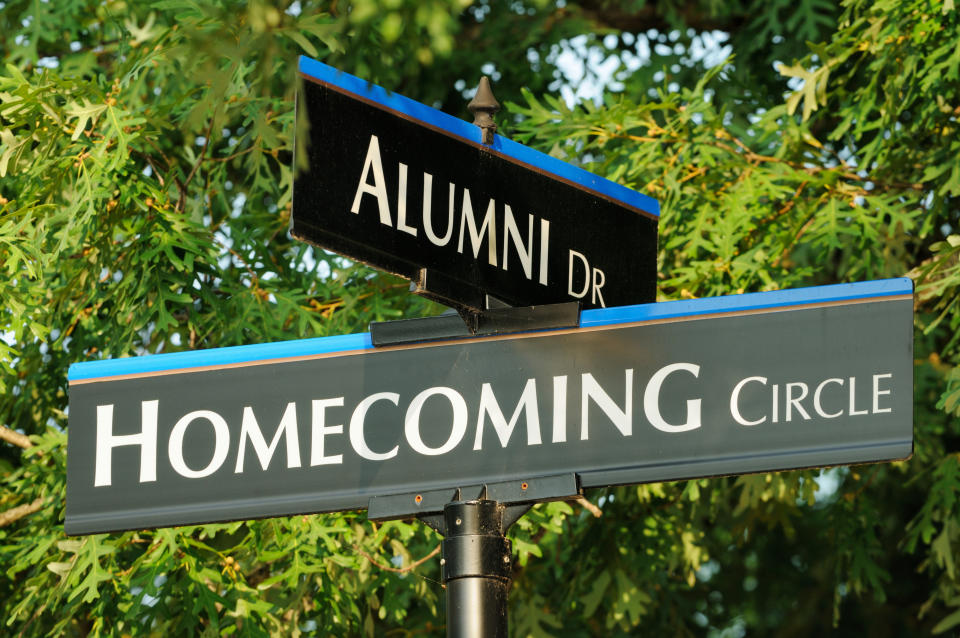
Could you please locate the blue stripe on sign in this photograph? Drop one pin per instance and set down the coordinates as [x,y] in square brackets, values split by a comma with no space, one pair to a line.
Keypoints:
[588,318]
[745,302]
[467,131]
[218,356]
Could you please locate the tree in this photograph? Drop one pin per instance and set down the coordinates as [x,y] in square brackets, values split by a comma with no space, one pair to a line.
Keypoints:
[146,158]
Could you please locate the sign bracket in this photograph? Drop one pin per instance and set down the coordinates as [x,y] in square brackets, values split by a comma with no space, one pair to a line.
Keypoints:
[428,503]
[497,319]
[477,564]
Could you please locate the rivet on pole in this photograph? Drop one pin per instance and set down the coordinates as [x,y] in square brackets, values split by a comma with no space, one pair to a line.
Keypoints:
[483,106]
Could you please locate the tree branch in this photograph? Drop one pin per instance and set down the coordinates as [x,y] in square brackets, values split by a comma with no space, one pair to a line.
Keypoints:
[398,570]
[11,436]
[590,507]
[16,513]
[606,14]
[203,151]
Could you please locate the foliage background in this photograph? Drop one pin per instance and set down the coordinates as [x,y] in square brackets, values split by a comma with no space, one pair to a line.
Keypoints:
[145,178]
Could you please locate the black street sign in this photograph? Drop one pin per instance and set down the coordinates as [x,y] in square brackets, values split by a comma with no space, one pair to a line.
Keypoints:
[746,383]
[411,190]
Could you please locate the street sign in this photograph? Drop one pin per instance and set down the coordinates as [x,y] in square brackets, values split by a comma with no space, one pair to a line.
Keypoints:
[411,190]
[728,385]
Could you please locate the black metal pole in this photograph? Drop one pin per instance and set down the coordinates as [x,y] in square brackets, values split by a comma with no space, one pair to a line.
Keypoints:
[476,569]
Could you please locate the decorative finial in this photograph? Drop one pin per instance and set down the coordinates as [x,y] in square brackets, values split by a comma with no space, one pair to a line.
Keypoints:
[483,106]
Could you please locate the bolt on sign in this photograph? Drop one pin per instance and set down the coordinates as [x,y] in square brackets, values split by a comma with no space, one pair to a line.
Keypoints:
[728,385]
[411,190]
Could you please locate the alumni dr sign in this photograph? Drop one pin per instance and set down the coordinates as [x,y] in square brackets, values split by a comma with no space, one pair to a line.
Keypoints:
[411,190]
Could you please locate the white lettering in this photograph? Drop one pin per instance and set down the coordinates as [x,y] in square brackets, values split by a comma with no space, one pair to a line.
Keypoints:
[490,407]
[586,279]
[622,419]
[560,409]
[411,424]
[544,249]
[428,212]
[379,187]
[853,391]
[489,227]
[817,406]
[319,430]
[795,402]
[598,280]
[402,203]
[651,400]
[356,427]
[735,402]
[221,446]
[776,403]
[250,430]
[877,392]
[511,231]
[107,440]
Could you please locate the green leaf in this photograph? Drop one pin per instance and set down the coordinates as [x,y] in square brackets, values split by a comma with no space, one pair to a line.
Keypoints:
[85,113]
[12,150]
[949,622]
[943,550]
[60,569]
[304,43]
[597,592]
